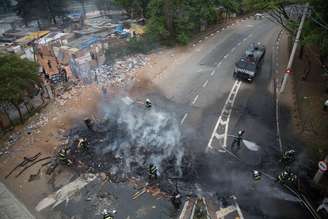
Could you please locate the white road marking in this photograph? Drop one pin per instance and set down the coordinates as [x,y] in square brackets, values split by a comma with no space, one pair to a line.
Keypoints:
[245,39]
[195,99]
[226,56]
[213,72]
[222,29]
[277,118]
[205,83]
[233,49]
[183,118]
[224,118]
[218,31]
[239,43]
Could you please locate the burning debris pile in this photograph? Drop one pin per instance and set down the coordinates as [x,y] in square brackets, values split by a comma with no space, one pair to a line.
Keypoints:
[120,71]
[129,139]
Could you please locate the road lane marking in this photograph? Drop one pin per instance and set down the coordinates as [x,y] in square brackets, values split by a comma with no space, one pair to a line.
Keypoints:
[224,118]
[213,72]
[233,49]
[183,118]
[195,99]
[205,83]
[239,43]
[226,56]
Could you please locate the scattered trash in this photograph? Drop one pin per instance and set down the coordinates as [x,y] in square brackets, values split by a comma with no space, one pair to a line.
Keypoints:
[64,193]
[23,163]
[13,138]
[33,163]
[35,176]
[118,73]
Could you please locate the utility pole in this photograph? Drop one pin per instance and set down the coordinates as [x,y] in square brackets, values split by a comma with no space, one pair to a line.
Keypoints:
[292,55]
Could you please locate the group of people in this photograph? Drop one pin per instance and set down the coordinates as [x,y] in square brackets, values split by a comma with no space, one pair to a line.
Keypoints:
[64,153]
[286,176]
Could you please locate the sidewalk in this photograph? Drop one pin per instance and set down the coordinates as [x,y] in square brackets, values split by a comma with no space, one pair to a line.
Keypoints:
[10,207]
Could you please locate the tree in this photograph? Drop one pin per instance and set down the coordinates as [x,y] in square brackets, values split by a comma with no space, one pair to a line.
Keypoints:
[179,20]
[5,5]
[135,8]
[284,12]
[104,6]
[18,78]
[316,28]
[30,10]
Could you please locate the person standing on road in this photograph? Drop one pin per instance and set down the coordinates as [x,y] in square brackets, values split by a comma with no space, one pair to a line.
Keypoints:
[236,144]
[288,157]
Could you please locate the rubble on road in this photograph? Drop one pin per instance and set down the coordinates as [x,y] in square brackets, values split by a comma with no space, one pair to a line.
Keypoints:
[37,123]
[118,73]
[13,138]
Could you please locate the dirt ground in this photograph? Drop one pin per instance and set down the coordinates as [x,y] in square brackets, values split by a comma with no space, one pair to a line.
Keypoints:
[310,95]
[61,116]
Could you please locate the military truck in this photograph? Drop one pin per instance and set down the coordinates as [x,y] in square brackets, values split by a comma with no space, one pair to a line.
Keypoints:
[248,65]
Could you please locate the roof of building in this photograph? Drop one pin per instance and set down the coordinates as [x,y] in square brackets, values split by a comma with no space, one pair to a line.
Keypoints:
[32,36]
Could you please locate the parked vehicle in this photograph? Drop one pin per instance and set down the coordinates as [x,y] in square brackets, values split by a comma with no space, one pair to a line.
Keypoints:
[248,65]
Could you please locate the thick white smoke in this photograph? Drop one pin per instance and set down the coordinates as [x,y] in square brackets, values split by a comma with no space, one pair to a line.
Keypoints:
[150,136]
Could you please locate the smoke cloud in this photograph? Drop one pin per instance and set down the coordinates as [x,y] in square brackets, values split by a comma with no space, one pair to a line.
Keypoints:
[145,136]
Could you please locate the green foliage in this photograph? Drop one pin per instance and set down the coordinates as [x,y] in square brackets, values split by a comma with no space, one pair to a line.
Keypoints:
[316,27]
[30,10]
[134,7]
[179,20]
[17,78]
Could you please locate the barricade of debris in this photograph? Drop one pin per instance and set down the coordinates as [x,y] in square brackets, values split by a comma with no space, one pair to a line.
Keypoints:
[121,71]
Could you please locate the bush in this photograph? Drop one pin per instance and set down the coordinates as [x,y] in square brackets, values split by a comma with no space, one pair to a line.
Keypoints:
[183,38]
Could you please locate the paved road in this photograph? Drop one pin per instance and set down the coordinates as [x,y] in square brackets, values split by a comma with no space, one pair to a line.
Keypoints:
[10,207]
[197,91]
[201,86]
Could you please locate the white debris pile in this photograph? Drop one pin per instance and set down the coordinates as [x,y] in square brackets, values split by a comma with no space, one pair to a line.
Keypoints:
[13,138]
[40,121]
[65,96]
[120,72]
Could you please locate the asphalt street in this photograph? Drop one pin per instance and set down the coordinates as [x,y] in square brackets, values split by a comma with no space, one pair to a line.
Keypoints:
[200,91]
[200,87]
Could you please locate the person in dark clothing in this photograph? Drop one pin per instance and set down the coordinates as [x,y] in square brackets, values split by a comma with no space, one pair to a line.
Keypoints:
[288,157]
[63,156]
[176,200]
[236,144]
[148,103]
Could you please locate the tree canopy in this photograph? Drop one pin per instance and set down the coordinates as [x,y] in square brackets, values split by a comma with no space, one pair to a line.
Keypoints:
[17,79]
[30,10]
